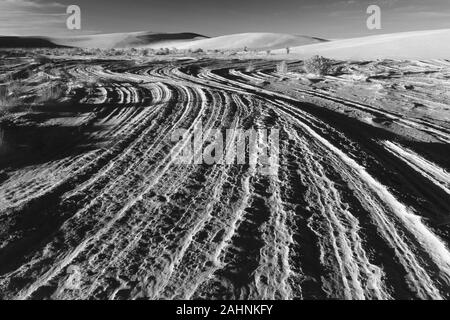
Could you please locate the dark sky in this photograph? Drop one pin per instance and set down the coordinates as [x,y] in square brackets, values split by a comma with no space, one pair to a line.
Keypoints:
[321,18]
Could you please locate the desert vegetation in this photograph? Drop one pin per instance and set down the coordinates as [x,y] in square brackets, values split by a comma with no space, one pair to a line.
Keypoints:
[250,67]
[45,55]
[10,96]
[282,67]
[20,94]
[318,65]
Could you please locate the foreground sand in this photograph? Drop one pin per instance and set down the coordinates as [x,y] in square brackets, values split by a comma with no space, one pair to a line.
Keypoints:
[358,208]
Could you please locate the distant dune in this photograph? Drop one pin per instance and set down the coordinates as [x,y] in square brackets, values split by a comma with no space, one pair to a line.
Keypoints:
[253,41]
[125,40]
[434,44]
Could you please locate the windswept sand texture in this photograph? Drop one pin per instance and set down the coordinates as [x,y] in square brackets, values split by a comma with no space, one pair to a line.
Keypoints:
[358,208]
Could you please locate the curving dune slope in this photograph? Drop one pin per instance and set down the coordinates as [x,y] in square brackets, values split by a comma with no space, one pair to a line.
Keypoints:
[352,204]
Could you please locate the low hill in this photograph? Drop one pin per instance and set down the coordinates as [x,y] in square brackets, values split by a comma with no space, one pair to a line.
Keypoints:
[26,42]
[125,40]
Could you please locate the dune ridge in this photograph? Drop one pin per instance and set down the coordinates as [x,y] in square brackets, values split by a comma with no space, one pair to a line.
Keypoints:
[251,41]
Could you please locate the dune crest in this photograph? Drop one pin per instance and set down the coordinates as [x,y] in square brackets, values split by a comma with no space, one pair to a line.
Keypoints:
[251,41]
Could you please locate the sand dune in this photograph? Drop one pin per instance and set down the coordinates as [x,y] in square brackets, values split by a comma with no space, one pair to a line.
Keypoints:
[432,44]
[253,41]
[125,40]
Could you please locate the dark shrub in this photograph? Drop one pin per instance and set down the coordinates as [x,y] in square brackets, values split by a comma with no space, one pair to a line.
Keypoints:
[318,65]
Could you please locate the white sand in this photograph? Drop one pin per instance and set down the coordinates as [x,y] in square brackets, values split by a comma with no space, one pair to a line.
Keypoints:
[433,44]
[253,41]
